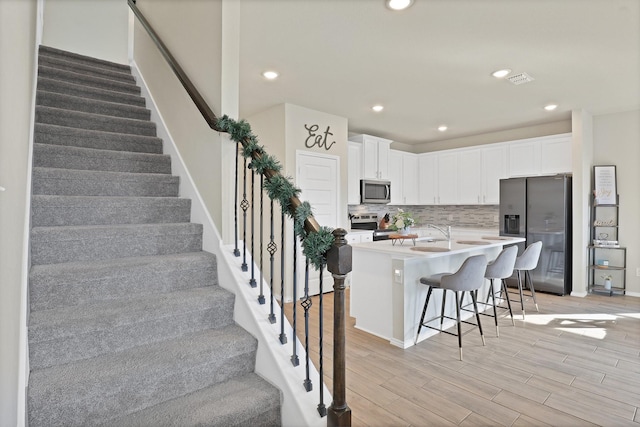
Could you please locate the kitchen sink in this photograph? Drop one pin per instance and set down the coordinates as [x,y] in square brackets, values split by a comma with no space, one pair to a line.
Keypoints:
[430,239]
[471,242]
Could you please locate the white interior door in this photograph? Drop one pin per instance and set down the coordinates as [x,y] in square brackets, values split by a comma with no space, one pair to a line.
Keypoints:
[318,177]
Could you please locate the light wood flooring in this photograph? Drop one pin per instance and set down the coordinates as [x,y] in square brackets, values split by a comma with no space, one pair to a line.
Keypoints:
[575,363]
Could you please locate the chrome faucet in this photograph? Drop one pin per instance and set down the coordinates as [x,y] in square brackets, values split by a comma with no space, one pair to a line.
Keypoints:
[447,232]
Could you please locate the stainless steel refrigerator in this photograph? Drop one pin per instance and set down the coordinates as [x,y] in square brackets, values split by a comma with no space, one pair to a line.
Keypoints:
[539,209]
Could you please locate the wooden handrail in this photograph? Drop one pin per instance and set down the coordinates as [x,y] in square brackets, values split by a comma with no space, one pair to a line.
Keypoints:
[338,256]
[311,225]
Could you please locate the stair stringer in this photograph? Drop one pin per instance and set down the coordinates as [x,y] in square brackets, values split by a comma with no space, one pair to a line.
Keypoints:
[272,358]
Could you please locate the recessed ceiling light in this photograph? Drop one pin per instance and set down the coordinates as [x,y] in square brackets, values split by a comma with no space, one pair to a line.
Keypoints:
[442,128]
[501,73]
[398,4]
[270,75]
[377,108]
[550,107]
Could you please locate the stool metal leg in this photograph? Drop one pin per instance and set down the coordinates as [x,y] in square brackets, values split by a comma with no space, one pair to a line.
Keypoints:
[504,289]
[533,292]
[493,300]
[474,298]
[520,291]
[424,311]
[444,302]
[458,302]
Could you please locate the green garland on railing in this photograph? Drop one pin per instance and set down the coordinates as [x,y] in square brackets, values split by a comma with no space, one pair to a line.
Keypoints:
[280,188]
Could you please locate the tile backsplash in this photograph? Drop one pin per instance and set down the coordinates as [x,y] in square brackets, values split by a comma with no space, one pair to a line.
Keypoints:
[468,216]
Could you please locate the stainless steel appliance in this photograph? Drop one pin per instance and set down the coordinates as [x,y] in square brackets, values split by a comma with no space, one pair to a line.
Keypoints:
[374,191]
[539,209]
[369,221]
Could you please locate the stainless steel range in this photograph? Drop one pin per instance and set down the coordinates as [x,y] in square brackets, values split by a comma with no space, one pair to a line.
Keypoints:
[369,221]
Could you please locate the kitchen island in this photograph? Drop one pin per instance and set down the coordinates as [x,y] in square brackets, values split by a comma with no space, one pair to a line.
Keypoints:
[386,294]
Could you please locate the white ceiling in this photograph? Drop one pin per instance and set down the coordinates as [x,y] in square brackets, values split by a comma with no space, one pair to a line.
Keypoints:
[431,64]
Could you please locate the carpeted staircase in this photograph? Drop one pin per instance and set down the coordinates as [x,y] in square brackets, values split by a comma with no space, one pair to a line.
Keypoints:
[128,325]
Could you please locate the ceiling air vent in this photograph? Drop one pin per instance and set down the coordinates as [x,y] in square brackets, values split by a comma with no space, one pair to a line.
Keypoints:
[518,79]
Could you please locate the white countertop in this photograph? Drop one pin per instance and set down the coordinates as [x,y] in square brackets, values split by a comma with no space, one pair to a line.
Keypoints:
[455,246]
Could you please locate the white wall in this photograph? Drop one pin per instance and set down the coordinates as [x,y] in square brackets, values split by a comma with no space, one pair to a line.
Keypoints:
[96,28]
[17,60]
[616,142]
[281,130]
[195,40]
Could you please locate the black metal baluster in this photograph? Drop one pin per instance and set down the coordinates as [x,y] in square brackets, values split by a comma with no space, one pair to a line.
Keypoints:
[294,355]
[244,205]
[236,251]
[261,296]
[283,336]
[252,281]
[272,248]
[322,409]
[306,304]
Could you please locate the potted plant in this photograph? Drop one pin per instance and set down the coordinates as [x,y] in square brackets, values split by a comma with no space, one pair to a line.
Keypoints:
[607,281]
[402,222]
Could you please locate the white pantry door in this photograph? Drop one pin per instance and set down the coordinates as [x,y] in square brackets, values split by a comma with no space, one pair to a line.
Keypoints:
[318,178]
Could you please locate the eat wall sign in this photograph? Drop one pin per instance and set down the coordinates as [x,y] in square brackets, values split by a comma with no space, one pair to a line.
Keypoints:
[318,139]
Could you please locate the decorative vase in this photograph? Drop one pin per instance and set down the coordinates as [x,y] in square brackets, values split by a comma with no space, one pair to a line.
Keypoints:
[404,231]
[607,284]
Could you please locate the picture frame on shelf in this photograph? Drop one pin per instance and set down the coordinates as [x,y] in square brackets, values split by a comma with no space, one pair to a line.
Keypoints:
[605,191]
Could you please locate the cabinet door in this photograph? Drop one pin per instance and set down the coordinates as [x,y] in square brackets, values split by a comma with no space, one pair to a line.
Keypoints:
[410,178]
[448,179]
[555,155]
[370,159]
[494,168]
[524,158]
[470,177]
[428,179]
[384,148]
[395,176]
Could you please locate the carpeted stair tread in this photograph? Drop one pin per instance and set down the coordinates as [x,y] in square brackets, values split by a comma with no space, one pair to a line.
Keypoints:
[91,121]
[70,182]
[72,56]
[52,210]
[68,136]
[82,91]
[87,80]
[93,106]
[242,401]
[68,334]
[80,158]
[92,391]
[53,245]
[85,68]
[82,282]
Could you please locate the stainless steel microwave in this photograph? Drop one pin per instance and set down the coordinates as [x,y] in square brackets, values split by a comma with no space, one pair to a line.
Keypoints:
[374,191]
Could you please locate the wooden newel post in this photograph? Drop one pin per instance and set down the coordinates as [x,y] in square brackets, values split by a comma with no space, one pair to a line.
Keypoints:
[339,264]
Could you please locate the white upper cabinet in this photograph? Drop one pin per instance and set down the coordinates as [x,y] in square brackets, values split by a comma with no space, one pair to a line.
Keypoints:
[354,173]
[555,155]
[494,168]
[410,186]
[427,179]
[403,174]
[470,177]
[447,181]
[540,156]
[375,156]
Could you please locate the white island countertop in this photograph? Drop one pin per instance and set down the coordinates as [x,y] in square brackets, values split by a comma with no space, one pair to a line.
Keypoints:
[386,294]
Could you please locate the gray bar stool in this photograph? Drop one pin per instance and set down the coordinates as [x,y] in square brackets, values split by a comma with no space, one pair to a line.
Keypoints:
[468,278]
[524,264]
[501,268]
